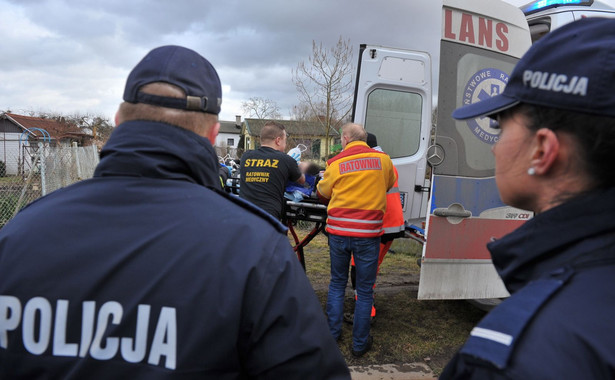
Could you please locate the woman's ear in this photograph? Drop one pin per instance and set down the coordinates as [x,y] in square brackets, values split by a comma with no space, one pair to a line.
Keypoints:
[546,150]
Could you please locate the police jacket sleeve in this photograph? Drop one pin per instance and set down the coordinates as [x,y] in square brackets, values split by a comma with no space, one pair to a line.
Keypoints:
[462,367]
[287,334]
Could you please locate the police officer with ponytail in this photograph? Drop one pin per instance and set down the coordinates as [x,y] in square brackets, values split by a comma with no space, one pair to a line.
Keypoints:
[555,157]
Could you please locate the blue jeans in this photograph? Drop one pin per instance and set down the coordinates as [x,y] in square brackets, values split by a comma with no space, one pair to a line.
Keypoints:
[365,251]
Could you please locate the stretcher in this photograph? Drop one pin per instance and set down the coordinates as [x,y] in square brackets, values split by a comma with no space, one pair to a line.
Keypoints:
[310,210]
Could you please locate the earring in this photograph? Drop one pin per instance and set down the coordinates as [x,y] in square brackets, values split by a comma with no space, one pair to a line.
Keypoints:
[531,171]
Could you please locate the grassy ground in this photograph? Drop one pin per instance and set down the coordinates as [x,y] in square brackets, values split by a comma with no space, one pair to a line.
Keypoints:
[406,329]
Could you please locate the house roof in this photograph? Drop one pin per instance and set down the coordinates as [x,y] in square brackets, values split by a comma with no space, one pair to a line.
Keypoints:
[293,127]
[56,129]
[229,127]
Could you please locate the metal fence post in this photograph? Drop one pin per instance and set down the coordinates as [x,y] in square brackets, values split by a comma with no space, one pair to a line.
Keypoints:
[75,152]
[41,162]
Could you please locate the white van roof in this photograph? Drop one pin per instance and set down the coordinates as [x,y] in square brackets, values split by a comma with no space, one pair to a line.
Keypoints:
[545,15]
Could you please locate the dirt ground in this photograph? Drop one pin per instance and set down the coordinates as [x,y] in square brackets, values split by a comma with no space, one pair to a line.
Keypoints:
[406,330]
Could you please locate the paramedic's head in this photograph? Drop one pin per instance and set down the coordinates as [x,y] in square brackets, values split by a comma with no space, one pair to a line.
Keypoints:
[273,135]
[557,117]
[174,85]
[352,132]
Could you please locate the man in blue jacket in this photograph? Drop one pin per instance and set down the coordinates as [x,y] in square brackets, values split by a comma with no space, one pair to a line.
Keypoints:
[149,270]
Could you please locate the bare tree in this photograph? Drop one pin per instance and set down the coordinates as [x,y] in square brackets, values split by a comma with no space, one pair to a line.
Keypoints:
[307,112]
[301,112]
[95,124]
[324,83]
[100,126]
[261,108]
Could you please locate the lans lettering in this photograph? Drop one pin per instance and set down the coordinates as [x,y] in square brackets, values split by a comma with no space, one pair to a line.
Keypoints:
[44,329]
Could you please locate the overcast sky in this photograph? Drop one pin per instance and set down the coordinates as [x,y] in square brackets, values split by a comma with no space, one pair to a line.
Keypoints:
[69,56]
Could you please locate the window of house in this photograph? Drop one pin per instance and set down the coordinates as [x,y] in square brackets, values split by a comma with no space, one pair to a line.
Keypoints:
[316,149]
[230,142]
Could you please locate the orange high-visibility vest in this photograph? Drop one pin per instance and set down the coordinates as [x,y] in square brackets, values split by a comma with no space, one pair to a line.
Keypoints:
[393,221]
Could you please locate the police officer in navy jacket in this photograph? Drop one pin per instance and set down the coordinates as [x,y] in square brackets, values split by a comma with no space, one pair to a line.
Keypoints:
[149,270]
[555,157]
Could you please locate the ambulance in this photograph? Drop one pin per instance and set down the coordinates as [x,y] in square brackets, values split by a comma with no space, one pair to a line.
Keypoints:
[543,16]
[446,168]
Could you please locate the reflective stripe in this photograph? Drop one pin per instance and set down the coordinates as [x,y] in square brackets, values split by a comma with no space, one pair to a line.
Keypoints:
[391,230]
[355,220]
[371,232]
[393,190]
[493,335]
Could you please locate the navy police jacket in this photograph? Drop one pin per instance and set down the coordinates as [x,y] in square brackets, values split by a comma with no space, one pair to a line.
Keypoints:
[558,322]
[146,271]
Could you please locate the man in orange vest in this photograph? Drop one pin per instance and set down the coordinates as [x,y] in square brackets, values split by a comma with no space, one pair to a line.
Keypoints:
[393,225]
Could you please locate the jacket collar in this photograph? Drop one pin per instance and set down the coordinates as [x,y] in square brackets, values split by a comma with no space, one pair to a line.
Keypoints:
[540,244]
[158,150]
[352,148]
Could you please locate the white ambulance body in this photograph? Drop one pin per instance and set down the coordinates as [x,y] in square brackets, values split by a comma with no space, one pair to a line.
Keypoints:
[446,173]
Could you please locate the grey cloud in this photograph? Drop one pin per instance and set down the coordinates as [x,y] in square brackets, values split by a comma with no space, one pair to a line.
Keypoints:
[254,44]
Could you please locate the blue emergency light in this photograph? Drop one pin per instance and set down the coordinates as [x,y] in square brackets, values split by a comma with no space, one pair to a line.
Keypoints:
[540,5]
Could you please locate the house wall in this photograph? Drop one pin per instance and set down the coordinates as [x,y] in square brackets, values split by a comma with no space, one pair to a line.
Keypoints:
[222,139]
[309,142]
[11,154]
[222,146]
[250,142]
[298,139]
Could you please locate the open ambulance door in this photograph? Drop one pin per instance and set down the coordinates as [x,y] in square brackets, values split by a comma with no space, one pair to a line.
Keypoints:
[481,42]
[393,101]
